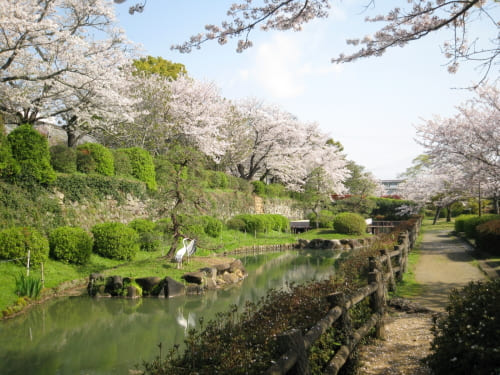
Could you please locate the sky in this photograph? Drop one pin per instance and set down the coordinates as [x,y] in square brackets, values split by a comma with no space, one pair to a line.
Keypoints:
[371,106]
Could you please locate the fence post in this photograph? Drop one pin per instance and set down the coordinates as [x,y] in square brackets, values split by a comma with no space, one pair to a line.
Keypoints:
[399,262]
[28,264]
[392,283]
[293,340]
[377,299]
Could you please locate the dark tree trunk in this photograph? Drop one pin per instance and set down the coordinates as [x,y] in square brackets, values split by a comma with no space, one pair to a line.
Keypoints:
[448,213]
[436,217]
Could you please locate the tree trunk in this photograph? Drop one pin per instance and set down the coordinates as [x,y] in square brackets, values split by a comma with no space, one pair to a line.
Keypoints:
[436,217]
[479,200]
[496,205]
[448,213]
[177,235]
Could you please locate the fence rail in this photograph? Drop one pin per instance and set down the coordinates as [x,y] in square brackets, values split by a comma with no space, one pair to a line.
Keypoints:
[295,345]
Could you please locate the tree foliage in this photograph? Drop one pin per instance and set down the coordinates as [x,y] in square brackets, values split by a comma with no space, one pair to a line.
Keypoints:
[160,66]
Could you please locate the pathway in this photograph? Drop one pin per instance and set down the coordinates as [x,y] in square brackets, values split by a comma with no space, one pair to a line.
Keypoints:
[444,264]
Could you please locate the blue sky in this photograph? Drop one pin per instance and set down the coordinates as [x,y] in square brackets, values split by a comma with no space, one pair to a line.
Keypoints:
[370,106]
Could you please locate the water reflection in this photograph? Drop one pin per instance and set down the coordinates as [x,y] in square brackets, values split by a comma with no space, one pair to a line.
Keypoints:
[81,335]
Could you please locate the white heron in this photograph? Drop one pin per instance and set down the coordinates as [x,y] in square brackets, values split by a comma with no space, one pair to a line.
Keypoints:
[188,249]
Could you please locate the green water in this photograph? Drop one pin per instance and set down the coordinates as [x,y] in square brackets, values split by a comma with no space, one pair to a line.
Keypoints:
[81,335]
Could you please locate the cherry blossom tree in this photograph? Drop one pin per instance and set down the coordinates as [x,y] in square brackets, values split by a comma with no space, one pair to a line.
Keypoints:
[270,144]
[473,134]
[181,111]
[62,60]
[403,24]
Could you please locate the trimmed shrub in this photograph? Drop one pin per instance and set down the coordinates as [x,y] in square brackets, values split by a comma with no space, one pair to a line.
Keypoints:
[460,222]
[8,165]
[259,188]
[349,223]
[471,224]
[123,167]
[149,235]
[16,241]
[279,222]
[63,158]
[324,219]
[466,338]
[31,150]
[488,236]
[212,226]
[115,240]
[236,223]
[100,155]
[70,245]
[142,165]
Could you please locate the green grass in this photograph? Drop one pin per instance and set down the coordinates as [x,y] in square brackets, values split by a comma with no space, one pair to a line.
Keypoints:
[441,224]
[408,287]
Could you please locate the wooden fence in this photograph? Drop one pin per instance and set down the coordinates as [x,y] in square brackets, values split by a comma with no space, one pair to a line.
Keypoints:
[295,345]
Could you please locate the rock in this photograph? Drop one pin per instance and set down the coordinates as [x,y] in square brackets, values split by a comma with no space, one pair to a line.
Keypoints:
[194,289]
[221,268]
[148,284]
[194,277]
[132,292]
[114,285]
[336,244]
[210,272]
[317,243]
[237,265]
[303,244]
[211,284]
[230,278]
[173,288]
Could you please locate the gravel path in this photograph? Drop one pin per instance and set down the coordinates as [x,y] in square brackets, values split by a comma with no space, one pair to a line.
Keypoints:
[444,264]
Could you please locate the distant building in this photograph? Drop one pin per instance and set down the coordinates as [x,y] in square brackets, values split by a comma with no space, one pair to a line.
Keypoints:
[391,186]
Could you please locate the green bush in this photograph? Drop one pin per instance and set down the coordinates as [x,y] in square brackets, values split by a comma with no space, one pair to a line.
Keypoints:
[63,158]
[212,226]
[16,241]
[30,149]
[149,235]
[488,236]
[471,224]
[142,165]
[466,339]
[70,245]
[279,222]
[387,208]
[460,222]
[236,223]
[115,241]
[100,155]
[324,219]
[259,188]
[349,223]
[123,167]
[9,167]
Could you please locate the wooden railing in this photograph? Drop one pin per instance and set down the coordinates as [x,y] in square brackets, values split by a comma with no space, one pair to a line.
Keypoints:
[295,345]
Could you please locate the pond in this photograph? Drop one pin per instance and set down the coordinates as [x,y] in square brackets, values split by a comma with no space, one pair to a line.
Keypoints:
[86,336]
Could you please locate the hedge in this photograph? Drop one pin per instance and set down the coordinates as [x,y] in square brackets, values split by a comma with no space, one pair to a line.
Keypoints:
[488,237]
[142,166]
[95,153]
[349,223]
[460,222]
[63,158]
[70,245]
[115,240]
[149,235]
[15,243]
[30,149]
[471,224]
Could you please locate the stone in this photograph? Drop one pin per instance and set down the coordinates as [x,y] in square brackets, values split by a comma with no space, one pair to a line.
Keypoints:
[132,292]
[221,268]
[303,244]
[114,285]
[194,289]
[148,283]
[210,284]
[230,278]
[236,265]
[336,244]
[193,277]
[173,288]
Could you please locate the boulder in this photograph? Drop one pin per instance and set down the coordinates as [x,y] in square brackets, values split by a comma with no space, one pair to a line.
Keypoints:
[148,283]
[230,278]
[221,268]
[210,284]
[114,285]
[303,244]
[194,277]
[336,244]
[132,292]
[172,288]
[236,265]
[194,289]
